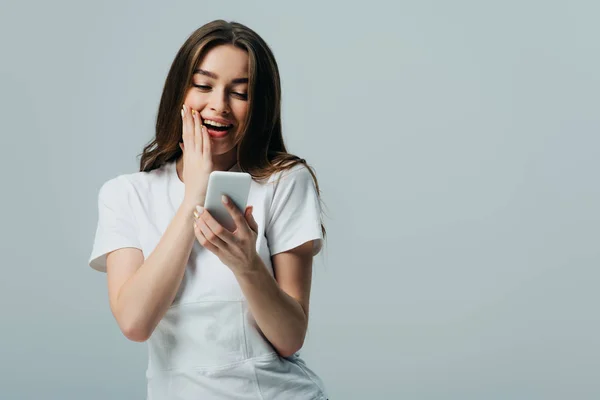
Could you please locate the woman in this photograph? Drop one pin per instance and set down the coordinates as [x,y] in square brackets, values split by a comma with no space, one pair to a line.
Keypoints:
[224,313]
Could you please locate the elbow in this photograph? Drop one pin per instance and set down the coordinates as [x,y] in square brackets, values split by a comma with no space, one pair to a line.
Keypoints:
[295,343]
[288,351]
[291,348]
[135,332]
[130,322]
[135,335]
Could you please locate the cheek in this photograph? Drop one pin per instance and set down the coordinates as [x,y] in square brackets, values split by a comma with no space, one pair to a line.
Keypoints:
[195,100]
[240,111]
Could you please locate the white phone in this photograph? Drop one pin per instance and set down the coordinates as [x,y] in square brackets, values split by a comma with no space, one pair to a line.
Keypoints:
[236,186]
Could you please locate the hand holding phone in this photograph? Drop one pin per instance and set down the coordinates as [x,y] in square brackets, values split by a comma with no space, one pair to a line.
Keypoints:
[236,186]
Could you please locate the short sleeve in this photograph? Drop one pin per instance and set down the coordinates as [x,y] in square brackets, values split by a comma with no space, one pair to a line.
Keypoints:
[116,225]
[295,213]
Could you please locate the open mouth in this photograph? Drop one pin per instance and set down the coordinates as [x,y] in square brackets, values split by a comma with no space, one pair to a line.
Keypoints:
[216,129]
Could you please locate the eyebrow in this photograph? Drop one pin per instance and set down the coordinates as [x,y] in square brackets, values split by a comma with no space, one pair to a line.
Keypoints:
[214,76]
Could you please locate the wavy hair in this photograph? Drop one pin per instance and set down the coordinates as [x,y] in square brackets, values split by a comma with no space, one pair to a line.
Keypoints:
[261,150]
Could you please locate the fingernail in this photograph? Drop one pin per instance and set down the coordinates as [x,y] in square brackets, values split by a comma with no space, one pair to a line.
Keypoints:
[199,209]
[225,199]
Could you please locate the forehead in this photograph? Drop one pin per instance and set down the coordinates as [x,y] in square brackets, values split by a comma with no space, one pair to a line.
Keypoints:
[226,61]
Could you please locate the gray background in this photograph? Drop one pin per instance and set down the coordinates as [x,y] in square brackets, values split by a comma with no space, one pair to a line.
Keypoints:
[457,146]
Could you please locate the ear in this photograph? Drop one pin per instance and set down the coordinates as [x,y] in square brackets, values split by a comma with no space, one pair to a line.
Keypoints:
[181,146]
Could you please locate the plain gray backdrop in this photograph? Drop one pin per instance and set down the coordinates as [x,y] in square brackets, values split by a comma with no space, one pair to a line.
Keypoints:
[457,145]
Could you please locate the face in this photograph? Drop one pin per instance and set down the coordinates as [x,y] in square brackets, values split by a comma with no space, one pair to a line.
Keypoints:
[219,93]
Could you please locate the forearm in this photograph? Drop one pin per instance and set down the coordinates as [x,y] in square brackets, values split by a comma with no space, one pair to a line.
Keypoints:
[280,317]
[145,297]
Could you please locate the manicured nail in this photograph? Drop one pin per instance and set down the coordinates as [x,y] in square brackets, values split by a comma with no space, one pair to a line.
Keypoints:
[225,199]
[199,209]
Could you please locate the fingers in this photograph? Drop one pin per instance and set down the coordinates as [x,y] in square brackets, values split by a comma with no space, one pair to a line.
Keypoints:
[206,236]
[236,214]
[206,141]
[195,135]
[250,219]
[222,236]
[202,239]
[186,127]
[197,130]
[189,123]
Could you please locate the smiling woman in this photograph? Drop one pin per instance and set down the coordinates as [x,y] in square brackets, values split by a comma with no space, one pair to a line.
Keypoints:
[224,312]
[221,99]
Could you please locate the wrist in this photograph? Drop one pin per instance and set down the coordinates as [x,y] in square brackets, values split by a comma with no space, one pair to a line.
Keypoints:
[254,267]
[190,204]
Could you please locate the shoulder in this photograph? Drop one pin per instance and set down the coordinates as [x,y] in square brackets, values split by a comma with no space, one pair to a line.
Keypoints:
[133,182]
[294,187]
[298,173]
[111,187]
[114,191]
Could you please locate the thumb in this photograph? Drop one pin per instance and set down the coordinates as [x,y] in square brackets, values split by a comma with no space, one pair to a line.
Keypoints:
[250,219]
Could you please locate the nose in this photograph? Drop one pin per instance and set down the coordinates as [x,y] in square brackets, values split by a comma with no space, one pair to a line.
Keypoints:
[219,102]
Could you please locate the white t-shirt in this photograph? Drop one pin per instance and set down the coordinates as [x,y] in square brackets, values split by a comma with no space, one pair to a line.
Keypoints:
[208,345]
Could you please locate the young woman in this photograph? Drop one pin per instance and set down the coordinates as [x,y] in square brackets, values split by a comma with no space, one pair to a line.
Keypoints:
[224,313]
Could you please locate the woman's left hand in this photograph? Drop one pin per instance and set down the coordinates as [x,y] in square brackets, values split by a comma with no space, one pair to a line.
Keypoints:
[235,249]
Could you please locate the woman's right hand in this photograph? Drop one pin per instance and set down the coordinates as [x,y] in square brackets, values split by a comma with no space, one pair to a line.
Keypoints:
[197,156]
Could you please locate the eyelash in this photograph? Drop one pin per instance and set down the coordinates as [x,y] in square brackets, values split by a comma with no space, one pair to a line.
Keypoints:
[243,96]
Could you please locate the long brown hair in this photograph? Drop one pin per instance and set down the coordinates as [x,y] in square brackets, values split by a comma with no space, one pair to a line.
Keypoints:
[260,151]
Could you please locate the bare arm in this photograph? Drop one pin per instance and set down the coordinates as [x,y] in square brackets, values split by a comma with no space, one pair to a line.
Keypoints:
[140,292]
[280,305]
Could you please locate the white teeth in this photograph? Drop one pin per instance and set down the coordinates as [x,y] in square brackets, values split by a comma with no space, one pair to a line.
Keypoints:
[214,123]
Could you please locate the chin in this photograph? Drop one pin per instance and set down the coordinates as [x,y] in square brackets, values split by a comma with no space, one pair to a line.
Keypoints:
[222,148]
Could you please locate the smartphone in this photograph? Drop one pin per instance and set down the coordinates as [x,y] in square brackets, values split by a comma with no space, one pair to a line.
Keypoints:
[236,186]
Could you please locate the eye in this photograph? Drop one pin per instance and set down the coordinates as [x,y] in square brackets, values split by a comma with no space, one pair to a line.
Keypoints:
[202,87]
[242,96]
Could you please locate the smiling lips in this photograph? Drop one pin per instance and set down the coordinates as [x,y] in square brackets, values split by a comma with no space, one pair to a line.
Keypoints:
[217,123]
[217,127]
